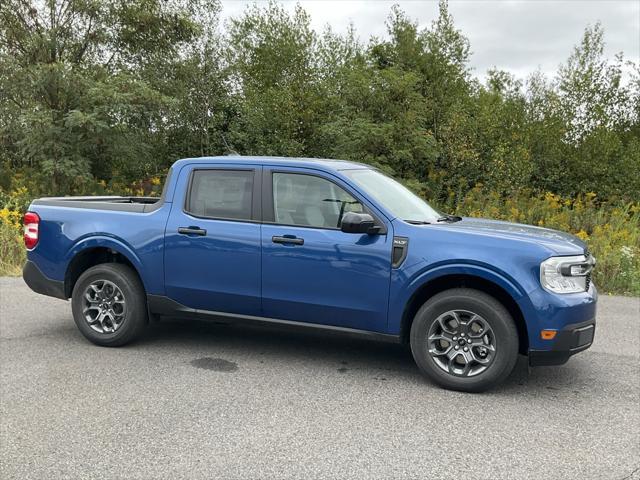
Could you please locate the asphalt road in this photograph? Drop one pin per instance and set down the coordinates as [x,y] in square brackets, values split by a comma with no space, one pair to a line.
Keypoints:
[199,400]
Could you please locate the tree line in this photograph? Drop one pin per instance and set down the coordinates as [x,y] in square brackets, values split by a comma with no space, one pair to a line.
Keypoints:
[113,92]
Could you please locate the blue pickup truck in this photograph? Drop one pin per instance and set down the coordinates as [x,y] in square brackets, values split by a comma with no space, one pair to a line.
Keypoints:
[324,244]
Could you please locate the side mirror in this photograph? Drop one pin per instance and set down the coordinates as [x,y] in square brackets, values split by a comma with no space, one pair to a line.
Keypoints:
[358,223]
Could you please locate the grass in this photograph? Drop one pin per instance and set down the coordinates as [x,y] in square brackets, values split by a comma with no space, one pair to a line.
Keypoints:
[12,251]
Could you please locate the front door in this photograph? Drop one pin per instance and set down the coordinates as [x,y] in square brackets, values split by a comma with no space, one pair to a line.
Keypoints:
[212,240]
[311,270]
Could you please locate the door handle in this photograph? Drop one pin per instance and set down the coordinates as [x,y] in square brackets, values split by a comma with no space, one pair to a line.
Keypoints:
[292,240]
[192,231]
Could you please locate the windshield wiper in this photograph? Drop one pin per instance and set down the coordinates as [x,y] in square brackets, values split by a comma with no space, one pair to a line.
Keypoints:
[449,218]
[417,222]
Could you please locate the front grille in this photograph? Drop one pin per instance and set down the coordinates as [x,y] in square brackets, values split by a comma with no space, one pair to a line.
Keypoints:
[587,282]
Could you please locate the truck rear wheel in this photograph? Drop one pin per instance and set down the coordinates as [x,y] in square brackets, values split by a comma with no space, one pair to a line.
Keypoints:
[465,340]
[109,305]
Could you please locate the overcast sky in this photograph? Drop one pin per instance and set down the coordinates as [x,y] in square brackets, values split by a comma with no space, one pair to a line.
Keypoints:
[518,36]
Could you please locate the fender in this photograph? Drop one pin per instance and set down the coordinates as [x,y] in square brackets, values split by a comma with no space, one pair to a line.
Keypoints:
[104,241]
[478,269]
[422,274]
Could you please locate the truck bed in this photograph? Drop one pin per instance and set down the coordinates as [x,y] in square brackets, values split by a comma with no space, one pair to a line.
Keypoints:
[124,204]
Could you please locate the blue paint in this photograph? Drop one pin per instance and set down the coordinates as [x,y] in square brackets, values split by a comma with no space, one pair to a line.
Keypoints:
[334,278]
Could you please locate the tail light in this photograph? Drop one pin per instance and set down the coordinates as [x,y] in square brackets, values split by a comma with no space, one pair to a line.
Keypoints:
[31,222]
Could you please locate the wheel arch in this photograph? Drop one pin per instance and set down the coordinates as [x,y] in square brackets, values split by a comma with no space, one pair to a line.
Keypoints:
[96,251]
[464,280]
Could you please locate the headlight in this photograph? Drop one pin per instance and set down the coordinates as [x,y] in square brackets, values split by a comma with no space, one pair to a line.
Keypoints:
[566,274]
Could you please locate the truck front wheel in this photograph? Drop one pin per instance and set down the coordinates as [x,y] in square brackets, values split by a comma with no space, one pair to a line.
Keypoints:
[109,305]
[465,340]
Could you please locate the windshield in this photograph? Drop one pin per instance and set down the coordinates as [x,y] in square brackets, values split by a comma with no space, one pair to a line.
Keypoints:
[394,196]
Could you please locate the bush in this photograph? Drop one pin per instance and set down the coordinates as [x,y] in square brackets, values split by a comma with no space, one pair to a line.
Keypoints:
[12,252]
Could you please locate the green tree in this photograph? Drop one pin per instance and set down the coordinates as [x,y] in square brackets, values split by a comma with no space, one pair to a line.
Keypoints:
[78,76]
[116,91]
[597,108]
[273,72]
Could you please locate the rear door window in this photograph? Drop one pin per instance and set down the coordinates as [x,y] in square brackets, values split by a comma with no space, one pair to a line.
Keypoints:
[221,194]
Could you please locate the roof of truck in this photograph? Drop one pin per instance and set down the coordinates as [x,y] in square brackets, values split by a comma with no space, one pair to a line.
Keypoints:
[325,163]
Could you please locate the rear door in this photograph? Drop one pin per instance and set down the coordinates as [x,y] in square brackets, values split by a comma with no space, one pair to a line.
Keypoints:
[311,270]
[212,240]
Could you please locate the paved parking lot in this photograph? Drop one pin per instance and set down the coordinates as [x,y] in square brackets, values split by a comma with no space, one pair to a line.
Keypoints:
[199,400]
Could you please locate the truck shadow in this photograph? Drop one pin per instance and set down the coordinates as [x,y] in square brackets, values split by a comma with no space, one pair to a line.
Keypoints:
[345,355]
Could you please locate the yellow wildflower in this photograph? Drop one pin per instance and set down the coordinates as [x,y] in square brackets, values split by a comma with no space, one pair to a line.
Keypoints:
[582,235]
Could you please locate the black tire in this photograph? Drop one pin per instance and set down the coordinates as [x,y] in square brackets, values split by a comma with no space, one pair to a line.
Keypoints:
[134,318]
[492,312]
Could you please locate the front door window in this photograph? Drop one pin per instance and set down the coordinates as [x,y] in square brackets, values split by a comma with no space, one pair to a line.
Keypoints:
[307,200]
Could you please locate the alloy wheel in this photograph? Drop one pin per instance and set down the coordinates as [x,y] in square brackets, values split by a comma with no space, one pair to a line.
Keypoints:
[461,343]
[104,306]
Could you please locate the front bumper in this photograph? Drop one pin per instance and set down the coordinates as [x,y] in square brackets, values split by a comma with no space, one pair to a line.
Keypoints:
[570,340]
